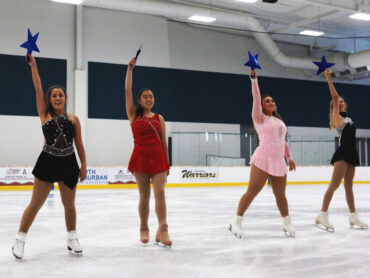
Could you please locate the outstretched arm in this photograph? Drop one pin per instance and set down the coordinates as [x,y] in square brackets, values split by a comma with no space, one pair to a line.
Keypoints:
[338,120]
[130,107]
[257,113]
[40,98]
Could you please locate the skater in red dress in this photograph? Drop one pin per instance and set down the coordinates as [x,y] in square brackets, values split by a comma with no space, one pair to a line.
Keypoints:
[150,160]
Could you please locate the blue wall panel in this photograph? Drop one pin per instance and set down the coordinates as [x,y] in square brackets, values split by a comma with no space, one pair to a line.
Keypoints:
[195,96]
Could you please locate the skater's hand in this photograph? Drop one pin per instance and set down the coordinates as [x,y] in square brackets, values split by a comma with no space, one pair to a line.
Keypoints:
[82,174]
[168,172]
[132,63]
[291,165]
[327,74]
[30,60]
[253,74]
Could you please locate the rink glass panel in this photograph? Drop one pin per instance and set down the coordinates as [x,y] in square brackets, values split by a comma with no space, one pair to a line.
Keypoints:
[224,149]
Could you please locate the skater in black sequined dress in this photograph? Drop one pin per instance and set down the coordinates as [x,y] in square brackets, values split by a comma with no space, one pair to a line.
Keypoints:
[345,159]
[56,163]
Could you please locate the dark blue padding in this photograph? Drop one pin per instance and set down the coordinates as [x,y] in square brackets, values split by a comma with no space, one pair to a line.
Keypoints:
[209,97]
[17,94]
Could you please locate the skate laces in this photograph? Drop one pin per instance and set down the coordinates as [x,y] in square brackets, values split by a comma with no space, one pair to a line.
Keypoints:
[19,244]
[73,241]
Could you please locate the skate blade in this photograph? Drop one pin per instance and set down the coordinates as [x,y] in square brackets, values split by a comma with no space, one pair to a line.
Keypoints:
[16,257]
[288,234]
[330,230]
[355,227]
[162,245]
[235,234]
[74,253]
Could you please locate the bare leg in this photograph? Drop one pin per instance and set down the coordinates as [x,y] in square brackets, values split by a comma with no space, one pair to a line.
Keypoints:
[256,182]
[143,181]
[278,187]
[159,182]
[40,192]
[68,199]
[348,186]
[340,168]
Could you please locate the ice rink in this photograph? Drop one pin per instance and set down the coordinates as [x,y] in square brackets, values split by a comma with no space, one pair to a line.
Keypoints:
[108,226]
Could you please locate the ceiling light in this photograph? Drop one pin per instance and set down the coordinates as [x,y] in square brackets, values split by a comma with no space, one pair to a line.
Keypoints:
[202,18]
[311,33]
[247,1]
[76,2]
[360,16]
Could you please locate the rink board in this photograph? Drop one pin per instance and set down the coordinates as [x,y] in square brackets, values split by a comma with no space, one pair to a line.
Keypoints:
[21,178]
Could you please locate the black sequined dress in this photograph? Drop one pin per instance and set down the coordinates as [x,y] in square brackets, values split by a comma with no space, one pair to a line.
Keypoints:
[57,161]
[347,150]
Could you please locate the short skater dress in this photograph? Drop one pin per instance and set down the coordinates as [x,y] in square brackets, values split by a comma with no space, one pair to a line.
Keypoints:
[57,161]
[148,155]
[347,150]
[269,155]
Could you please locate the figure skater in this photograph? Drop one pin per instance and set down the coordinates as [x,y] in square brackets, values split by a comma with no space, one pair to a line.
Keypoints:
[150,159]
[267,162]
[56,163]
[345,159]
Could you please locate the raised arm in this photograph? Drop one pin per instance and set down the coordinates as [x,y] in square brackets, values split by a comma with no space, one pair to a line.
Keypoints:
[164,140]
[257,114]
[40,98]
[337,119]
[130,107]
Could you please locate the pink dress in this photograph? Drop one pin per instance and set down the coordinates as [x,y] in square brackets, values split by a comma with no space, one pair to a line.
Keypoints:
[269,155]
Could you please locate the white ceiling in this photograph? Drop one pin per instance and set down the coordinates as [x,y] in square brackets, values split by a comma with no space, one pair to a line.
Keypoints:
[291,17]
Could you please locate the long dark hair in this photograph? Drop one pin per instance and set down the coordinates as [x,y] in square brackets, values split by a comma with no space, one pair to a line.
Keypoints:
[274,113]
[139,110]
[49,107]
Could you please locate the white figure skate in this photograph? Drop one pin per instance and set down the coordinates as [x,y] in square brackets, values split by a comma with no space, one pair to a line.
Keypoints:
[236,226]
[354,220]
[72,243]
[323,220]
[18,245]
[288,227]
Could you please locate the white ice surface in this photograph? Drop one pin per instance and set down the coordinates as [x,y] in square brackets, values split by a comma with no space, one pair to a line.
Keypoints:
[108,227]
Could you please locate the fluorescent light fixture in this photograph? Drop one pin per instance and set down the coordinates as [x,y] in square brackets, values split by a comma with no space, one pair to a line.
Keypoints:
[360,16]
[247,1]
[311,33]
[202,18]
[76,2]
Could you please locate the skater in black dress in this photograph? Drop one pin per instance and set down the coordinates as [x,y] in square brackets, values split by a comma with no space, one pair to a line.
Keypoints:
[56,163]
[345,159]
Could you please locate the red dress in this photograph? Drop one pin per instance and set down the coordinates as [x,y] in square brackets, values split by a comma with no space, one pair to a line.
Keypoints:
[148,156]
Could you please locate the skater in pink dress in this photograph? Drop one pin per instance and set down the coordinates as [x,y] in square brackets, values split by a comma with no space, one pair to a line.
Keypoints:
[267,162]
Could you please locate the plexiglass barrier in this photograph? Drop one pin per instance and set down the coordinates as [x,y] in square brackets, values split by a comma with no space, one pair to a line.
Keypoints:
[235,149]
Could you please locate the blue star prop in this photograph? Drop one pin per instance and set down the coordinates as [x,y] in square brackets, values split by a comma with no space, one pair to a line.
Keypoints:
[252,63]
[323,65]
[30,44]
[138,53]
